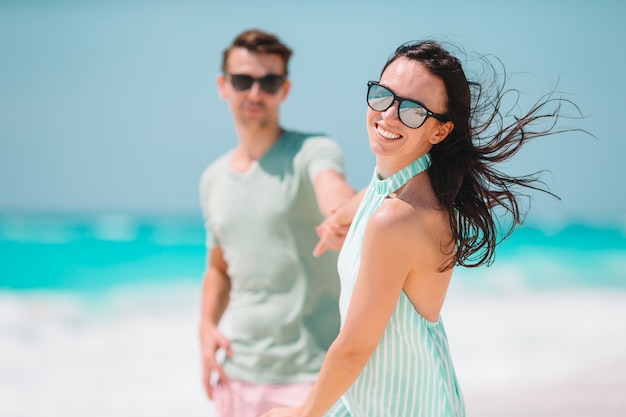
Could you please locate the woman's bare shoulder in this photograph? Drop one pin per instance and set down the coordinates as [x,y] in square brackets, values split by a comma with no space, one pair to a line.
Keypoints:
[416,219]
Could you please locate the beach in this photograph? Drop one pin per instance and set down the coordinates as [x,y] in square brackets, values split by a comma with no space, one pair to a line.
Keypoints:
[111,113]
[99,317]
[133,351]
[550,354]
[599,392]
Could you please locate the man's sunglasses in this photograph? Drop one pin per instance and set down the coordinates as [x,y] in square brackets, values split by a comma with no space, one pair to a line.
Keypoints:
[270,83]
[411,113]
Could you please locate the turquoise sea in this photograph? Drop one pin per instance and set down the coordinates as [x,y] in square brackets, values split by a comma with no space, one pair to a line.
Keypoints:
[99,314]
[89,254]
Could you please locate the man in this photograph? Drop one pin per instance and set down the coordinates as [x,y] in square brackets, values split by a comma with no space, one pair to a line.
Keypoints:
[261,202]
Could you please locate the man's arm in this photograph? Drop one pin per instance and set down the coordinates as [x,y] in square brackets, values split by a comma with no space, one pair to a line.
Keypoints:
[332,190]
[215,297]
[332,231]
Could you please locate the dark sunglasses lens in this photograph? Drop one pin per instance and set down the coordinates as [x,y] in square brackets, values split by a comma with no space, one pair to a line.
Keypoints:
[241,82]
[379,98]
[272,83]
[412,114]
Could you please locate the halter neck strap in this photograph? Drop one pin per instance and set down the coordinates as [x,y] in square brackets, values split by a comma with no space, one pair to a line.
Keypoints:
[397,180]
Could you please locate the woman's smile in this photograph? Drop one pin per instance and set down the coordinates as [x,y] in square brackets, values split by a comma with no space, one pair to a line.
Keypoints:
[385,133]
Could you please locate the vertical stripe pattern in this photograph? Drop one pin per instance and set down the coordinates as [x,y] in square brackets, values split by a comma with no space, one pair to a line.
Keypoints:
[410,373]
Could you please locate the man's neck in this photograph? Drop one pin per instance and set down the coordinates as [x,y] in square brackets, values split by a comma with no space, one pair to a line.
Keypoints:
[253,144]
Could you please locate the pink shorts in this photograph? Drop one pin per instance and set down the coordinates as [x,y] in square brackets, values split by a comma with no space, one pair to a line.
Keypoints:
[245,399]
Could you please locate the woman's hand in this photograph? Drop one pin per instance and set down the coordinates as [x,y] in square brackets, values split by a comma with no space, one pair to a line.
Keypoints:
[332,231]
[331,234]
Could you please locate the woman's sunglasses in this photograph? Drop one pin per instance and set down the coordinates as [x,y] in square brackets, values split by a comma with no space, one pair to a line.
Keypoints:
[270,83]
[411,113]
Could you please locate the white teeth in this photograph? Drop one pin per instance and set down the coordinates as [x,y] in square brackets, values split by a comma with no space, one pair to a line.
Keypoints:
[385,134]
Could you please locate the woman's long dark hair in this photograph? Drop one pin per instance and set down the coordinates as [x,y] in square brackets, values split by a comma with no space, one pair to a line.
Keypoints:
[462,171]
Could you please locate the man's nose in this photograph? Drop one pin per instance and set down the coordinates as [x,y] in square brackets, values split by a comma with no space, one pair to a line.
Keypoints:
[255,89]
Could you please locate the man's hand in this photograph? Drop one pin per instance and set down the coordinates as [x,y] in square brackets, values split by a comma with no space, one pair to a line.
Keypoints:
[211,341]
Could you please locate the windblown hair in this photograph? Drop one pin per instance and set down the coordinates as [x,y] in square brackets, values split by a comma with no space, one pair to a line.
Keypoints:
[257,41]
[462,171]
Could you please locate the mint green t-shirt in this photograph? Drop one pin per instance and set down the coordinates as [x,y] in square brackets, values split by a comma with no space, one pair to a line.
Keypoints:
[283,311]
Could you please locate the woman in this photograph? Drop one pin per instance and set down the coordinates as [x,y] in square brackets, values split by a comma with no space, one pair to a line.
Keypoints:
[428,208]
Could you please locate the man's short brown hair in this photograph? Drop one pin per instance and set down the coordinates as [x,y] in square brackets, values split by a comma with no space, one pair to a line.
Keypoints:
[257,41]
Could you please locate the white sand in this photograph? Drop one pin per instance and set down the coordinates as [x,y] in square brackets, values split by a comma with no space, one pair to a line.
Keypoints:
[135,353]
[598,393]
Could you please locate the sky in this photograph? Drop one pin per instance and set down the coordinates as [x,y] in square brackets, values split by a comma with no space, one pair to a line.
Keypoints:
[111,106]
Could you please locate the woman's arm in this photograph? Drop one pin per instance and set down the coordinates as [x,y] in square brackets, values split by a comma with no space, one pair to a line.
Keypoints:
[384,267]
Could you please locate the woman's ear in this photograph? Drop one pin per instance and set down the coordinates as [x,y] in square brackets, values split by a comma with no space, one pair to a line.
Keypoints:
[442,132]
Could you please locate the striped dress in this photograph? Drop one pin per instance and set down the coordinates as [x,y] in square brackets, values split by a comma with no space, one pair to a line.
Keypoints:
[410,373]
